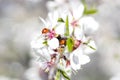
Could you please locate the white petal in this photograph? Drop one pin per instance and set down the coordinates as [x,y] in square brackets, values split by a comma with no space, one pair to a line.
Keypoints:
[52,18]
[78,33]
[51,51]
[84,39]
[44,54]
[70,16]
[70,30]
[53,43]
[43,21]
[77,8]
[79,50]
[75,58]
[38,43]
[74,61]
[89,24]
[84,59]
[60,29]
[79,11]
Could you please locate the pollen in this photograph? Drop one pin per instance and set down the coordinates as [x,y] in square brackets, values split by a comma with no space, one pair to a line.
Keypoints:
[62,42]
[45,30]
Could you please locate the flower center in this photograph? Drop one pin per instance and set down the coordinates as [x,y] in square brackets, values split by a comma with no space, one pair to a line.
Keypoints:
[51,34]
[74,23]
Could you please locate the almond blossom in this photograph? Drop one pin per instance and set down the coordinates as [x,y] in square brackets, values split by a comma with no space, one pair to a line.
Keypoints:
[63,45]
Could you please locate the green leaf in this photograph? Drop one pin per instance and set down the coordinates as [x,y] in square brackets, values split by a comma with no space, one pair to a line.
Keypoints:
[57,77]
[91,47]
[87,43]
[70,44]
[84,4]
[64,74]
[67,27]
[88,11]
[60,20]
[91,11]
[83,1]
[45,42]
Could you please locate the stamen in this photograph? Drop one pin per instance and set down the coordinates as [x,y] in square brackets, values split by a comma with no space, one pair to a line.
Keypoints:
[76,44]
[62,42]
[51,34]
[74,23]
[67,63]
[45,30]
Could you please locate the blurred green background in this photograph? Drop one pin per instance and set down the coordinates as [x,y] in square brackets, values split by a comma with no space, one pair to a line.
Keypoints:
[19,23]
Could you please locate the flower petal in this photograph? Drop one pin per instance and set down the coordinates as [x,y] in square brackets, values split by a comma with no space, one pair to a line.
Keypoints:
[70,29]
[74,61]
[89,24]
[75,58]
[37,43]
[44,55]
[53,43]
[60,29]
[84,59]
[79,11]
[78,33]
[52,18]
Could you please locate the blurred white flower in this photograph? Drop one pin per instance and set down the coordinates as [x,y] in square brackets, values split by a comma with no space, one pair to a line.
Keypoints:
[51,5]
[89,23]
[116,77]
[34,1]
[32,73]
[7,78]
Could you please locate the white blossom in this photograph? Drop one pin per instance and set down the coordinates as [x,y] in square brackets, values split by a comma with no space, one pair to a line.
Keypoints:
[77,58]
[64,44]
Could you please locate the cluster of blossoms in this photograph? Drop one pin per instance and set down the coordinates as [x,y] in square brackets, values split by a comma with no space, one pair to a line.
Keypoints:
[65,41]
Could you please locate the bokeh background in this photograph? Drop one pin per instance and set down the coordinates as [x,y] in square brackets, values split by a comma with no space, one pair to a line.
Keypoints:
[19,22]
